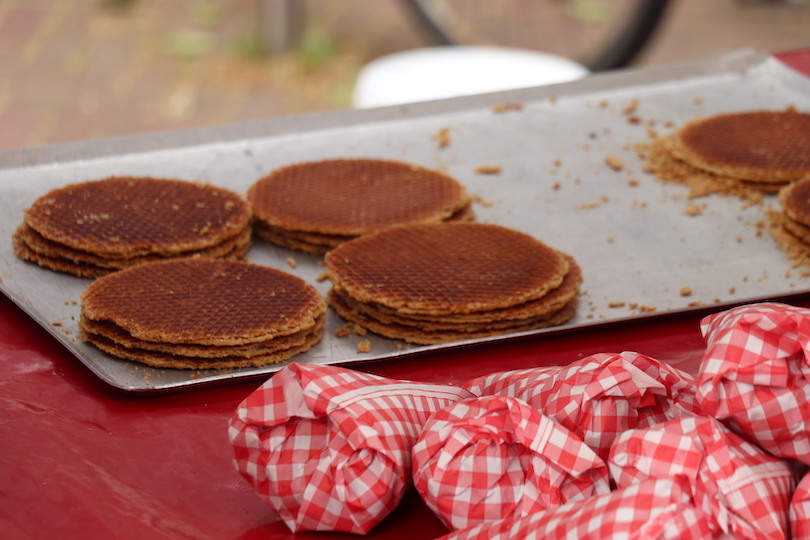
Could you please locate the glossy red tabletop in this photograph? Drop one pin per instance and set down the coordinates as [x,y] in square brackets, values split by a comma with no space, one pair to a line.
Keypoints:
[79,459]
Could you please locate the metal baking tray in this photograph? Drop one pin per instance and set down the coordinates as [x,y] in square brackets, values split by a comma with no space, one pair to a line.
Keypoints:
[640,249]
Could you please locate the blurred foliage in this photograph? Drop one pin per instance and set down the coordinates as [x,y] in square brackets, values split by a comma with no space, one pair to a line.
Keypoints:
[588,11]
[189,44]
[316,48]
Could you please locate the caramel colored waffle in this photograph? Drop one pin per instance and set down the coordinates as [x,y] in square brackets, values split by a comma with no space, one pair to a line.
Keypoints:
[94,228]
[758,146]
[435,283]
[202,313]
[420,336]
[742,154]
[316,206]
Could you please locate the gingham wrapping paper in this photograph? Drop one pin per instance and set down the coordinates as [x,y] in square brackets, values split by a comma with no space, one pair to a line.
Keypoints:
[600,396]
[328,448]
[754,375]
[655,509]
[800,510]
[744,489]
[495,457]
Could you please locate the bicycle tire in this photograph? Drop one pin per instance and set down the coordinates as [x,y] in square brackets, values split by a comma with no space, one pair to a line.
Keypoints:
[618,52]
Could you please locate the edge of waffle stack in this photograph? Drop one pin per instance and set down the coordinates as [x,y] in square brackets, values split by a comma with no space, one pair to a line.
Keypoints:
[437,283]
[744,154]
[202,314]
[316,206]
[93,228]
[790,227]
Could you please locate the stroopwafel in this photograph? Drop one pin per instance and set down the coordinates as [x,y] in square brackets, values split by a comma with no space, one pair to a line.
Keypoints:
[316,206]
[744,154]
[436,283]
[196,313]
[790,227]
[93,228]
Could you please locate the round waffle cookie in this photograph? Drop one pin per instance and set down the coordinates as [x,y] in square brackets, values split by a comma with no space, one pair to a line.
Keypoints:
[196,313]
[94,228]
[744,154]
[316,206]
[436,283]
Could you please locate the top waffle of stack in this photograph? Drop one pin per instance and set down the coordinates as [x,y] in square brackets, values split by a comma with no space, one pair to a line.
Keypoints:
[96,227]
[315,206]
[758,146]
[440,282]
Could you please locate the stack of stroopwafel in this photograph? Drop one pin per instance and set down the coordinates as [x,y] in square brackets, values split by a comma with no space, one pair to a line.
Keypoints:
[791,226]
[744,154]
[94,228]
[202,313]
[315,206]
[437,283]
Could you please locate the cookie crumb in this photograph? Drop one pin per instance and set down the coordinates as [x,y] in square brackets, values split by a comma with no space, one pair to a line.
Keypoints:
[483,202]
[506,107]
[343,332]
[614,162]
[693,210]
[443,137]
[631,108]
[686,291]
[488,169]
[364,346]
[359,330]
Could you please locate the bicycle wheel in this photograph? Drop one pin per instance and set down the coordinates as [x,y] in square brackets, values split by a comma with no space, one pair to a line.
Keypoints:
[600,34]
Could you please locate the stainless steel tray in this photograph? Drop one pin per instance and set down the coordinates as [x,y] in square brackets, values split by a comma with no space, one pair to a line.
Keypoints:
[637,244]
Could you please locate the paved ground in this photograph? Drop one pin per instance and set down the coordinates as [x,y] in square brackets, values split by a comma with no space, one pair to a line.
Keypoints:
[79,69]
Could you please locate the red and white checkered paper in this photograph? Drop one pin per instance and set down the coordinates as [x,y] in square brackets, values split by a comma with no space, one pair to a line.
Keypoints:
[744,489]
[655,509]
[496,457]
[755,375]
[328,448]
[800,510]
[600,396]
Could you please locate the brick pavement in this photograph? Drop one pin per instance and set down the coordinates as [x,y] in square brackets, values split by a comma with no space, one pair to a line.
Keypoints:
[75,69]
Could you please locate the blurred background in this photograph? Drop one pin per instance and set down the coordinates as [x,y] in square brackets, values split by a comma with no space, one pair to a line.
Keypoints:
[81,69]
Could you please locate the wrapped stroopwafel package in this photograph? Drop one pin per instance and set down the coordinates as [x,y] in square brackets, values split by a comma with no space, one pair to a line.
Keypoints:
[328,448]
[800,510]
[599,396]
[495,457]
[655,509]
[755,375]
[744,489]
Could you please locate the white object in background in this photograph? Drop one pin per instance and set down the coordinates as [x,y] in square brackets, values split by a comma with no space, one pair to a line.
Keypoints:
[457,70]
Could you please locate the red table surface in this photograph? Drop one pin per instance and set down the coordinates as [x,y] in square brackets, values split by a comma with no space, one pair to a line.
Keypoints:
[79,459]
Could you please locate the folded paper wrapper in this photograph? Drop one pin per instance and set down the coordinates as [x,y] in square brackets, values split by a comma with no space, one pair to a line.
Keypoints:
[496,457]
[745,490]
[755,375]
[648,510]
[329,448]
[600,396]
